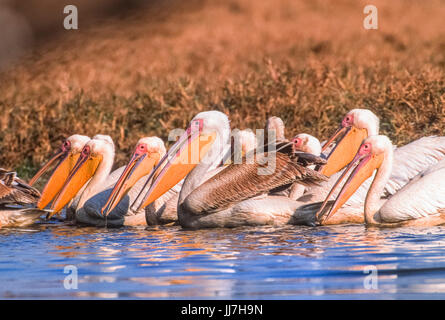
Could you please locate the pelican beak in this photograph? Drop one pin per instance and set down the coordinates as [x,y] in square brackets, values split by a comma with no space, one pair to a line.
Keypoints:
[67,161]
[182,157]
[83,170]
[141,164]
[350,139]
[363,166]
[59,155]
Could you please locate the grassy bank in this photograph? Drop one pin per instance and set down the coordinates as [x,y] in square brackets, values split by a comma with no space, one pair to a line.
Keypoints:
[150,72]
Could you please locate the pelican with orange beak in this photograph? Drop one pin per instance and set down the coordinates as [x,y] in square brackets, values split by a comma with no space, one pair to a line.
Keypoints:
[358,124]
[97,155]
[91,178]
[421,202]
[236,195]
[65,158]
[67,154]
[131,182]
[355,126]
[163,210]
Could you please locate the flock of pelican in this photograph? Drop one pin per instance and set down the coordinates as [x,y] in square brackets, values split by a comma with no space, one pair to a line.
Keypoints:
[212,177]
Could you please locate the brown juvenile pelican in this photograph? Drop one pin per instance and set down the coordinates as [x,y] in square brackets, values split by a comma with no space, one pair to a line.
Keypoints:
[421,202]
[235,195]
[16,201]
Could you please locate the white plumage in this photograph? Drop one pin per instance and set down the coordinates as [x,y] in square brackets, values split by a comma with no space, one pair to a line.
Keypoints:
[422,197]
[421,201]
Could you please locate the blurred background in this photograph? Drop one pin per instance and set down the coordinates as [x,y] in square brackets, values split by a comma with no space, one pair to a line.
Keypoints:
[141,68]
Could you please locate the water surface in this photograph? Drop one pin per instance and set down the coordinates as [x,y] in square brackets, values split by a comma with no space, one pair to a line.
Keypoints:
[289,262]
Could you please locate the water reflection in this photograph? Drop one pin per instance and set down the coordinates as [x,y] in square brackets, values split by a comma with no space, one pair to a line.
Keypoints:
[260,262]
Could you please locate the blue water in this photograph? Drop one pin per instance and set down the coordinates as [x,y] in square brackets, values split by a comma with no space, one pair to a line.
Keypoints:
[245,263]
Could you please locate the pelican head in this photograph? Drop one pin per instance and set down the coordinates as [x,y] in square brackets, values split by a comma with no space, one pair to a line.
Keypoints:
[306,143]
[67,156]
[355,126]
[92,156]
[368,158]
[147,154]
[202,142]
[104,137]
[275,124]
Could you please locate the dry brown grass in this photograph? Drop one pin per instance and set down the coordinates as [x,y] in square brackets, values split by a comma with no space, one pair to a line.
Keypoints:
[306,61]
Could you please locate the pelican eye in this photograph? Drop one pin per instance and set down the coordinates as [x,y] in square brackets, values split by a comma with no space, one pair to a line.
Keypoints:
[347,121]
[142,148]
[198,124]
[367,147]
[66,145]
[86,151]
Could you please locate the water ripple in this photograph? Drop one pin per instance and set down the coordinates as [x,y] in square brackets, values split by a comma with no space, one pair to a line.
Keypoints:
[252,263]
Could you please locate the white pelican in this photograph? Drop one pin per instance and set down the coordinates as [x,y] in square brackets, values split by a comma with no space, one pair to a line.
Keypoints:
[229,198]
[421,202]
[355,126]
[91,180]
[306,143]
[358,124]
[163,210]
[16,200]
[67,156]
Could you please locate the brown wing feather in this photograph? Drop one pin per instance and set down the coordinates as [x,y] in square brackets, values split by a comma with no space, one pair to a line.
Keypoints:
[16,191]
[239,182]
[5,192]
